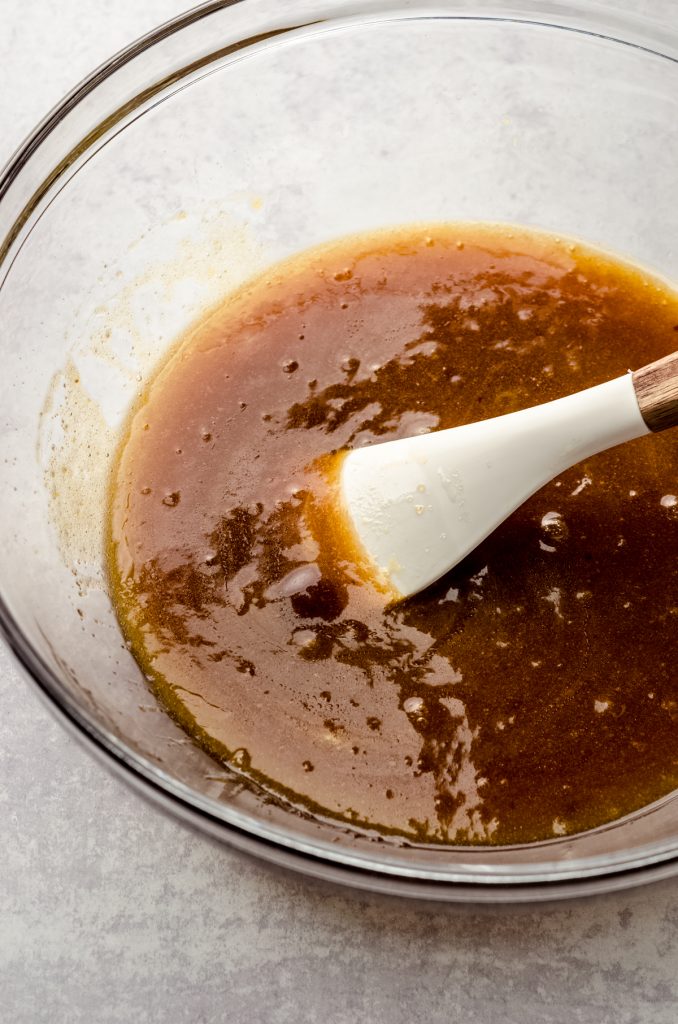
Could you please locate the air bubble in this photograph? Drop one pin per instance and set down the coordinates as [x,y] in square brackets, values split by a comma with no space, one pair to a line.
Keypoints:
[240,758]
[298,580]
[413,706]
[554,526]
[350,364]
[304,637]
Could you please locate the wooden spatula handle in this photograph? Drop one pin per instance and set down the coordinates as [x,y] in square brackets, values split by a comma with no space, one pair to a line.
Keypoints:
[656,387]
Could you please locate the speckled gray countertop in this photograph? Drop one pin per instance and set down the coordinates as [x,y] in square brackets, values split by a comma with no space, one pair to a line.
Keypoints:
[111,912]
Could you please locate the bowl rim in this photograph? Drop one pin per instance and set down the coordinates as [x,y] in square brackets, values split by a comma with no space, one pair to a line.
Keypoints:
[544,881]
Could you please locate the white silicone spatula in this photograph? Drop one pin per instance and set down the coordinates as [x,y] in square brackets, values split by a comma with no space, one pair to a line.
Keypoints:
[420,504]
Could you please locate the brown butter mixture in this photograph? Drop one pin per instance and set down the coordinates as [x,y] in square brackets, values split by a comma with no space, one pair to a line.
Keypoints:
[530,693]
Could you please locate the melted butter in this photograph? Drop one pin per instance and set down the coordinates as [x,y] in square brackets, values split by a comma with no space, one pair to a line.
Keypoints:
[530,693]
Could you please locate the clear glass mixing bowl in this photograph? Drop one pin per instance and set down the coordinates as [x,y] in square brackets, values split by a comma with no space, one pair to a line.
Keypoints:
[220,143]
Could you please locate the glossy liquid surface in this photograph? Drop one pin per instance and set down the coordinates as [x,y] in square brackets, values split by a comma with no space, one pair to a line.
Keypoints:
[533,691]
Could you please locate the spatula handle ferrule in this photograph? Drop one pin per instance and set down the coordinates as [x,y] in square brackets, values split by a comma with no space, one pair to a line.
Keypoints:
[656,387]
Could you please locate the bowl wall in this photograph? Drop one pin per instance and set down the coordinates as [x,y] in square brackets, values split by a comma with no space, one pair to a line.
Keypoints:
[218,145]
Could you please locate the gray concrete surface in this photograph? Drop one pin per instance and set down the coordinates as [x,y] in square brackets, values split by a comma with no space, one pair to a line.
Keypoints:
[110,912]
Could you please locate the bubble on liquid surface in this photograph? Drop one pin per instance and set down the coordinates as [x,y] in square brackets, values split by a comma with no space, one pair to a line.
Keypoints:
[240,758]
[350,364]
[304,637]
[296,581]
[554,526]
[414,706]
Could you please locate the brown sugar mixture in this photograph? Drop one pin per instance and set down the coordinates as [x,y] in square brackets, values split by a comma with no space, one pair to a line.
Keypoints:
[532,692]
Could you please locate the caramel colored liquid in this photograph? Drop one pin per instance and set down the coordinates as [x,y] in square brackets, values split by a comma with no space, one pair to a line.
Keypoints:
[533,691]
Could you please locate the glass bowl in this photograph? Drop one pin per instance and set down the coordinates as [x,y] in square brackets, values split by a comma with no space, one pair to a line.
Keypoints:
[222,142]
